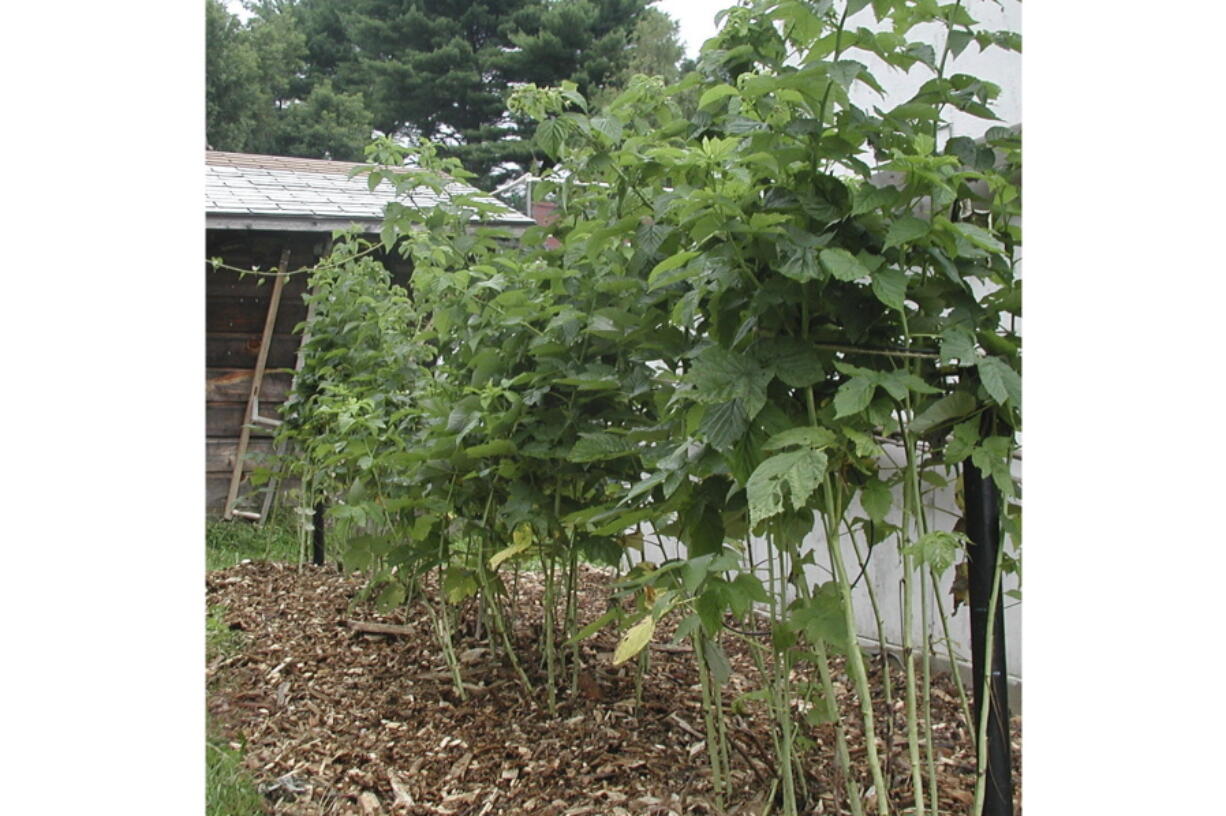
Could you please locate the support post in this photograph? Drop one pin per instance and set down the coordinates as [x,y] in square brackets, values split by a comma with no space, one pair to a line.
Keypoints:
[983,527]
[317,535]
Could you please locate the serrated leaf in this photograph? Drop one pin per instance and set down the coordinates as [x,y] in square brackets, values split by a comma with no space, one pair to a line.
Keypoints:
[822,619]
[659,274]
[720,375]
[947,409]
[869,198]
[962,442]
[717,662]
[496,447]
[634,640]
[937,549]
[808,436]
[713,95]
[458,584]
[876,499]
[843,265]
[890,287]
[610,126]
[1000,380]
[978,236]
[599,446]
[958,40]
[905,230]
[391,596]
[958,344]
[801,471]
[709,606]
[794,361]
[853,396]
[723,425]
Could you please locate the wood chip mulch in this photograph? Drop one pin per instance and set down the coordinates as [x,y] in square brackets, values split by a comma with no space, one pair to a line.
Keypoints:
[336,721]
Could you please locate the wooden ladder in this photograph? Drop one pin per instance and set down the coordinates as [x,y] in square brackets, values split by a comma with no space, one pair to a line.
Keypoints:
[252,415]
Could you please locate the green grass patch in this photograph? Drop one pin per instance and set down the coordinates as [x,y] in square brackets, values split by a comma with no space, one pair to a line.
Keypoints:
[219,639]
[229,790]
[228,542]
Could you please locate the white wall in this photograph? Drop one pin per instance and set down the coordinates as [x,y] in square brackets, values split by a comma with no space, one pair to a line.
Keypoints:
[995,65]
[884,574]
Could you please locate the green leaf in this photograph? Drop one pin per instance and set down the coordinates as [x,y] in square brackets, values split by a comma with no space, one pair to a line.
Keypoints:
[807,436]
[723,425]
[794,361]
[853,396]
[717,662]
[958,40]
[496,447]
[843,265]
[868,198]
[1000,380]
[958,344]
[844,72]
[720,375]
[937,549]
[595,626]
[551,134]
[715,94]
[710,609]
[947,409]
[391,596]
[876,498]
[801,471]
[458,584]
[659,275]
[634,640]
[905,230]
[599,446]
[750,586]
[962,442]
[890,287]
[822,712]
[822,618]
[695,572]
[978,236]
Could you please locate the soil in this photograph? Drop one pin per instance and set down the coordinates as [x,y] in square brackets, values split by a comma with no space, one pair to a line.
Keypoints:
[336,721]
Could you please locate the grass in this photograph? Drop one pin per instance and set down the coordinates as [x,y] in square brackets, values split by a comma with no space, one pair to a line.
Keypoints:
[229,789]
[229,542]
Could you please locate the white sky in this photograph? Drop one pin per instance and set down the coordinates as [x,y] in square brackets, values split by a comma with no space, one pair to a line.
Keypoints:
[697,20]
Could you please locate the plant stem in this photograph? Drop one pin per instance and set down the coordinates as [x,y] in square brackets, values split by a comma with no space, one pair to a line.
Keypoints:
[855,660]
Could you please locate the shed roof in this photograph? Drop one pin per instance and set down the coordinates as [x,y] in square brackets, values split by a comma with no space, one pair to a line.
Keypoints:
[250,191]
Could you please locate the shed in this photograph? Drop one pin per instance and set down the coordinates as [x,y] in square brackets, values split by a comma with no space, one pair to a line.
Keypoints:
[271,212]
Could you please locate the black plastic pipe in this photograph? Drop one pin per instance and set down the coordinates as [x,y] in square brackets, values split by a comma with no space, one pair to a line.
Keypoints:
[983,528]
[317,535]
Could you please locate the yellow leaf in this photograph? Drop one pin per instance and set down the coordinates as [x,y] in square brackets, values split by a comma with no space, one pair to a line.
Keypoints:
[634,640]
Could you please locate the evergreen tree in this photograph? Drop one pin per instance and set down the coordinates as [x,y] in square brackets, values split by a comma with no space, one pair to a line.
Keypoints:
[235,104]
[258,98]
[441,69]
[314,77]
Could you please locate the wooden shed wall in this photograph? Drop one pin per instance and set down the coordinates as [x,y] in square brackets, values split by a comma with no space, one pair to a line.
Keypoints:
[236,307]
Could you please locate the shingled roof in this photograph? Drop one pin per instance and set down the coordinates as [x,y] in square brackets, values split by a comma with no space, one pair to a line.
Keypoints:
[249,191]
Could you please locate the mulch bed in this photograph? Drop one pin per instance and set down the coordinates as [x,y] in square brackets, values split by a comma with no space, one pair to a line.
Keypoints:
[336,721]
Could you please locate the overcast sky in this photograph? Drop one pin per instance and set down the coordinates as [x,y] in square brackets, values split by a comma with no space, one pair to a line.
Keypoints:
[697,20]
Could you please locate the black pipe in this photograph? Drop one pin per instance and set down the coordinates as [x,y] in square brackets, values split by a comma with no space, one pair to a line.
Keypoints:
[983,528]
[317,535]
